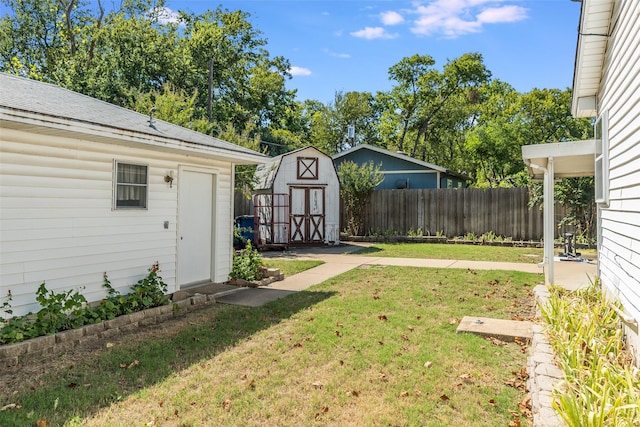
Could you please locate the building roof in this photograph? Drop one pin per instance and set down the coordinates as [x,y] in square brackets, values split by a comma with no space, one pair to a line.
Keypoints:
[401,156]
[32,104]
[596,21]
[266,172]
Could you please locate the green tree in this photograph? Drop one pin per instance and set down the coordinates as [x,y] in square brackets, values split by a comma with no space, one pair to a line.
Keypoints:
[356,185]
[406,97]
[447,94]
[330,123]
[248,86]
[493,145]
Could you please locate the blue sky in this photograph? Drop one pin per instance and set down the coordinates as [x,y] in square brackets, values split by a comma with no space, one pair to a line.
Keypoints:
[349,45]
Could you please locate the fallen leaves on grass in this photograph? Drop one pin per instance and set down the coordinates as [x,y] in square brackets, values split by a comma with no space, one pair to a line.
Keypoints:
[10,406]
[42,422]
[130,365]
[322,411]
[525,406]
[496,341]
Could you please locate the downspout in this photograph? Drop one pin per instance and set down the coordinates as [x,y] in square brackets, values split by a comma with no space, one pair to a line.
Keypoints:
[548,209]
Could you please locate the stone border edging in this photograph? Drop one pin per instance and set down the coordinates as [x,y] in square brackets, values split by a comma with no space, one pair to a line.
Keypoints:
[14,354]
[543,372]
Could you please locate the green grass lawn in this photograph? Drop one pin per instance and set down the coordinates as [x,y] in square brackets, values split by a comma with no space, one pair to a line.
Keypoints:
[374,346]
[449,251]
[289,267]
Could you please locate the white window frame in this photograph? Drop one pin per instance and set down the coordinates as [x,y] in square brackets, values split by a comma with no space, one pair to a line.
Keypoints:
[601,178]
[116,185]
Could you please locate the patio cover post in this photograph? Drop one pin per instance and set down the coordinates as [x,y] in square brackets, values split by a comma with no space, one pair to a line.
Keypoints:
[549,220]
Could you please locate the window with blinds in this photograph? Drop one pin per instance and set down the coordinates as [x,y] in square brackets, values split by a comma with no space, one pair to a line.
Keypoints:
[131,186]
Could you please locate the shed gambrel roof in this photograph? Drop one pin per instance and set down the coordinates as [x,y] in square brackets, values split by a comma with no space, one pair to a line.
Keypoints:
[400,156]
[31,104]
[266,173]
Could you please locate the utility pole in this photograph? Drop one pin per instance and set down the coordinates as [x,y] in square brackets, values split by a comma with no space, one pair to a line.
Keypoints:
[210,95]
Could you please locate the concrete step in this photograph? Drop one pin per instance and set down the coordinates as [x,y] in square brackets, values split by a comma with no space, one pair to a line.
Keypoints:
[505,330]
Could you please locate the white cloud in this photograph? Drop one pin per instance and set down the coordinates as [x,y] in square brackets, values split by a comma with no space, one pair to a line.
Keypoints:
[454,18]
[299,71]
[391,18]
[337,54]
[167,16]
[371,33]
[502,14]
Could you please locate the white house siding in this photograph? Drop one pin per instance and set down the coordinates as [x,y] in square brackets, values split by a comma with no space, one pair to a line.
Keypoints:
[58,225]
[287,175]
[619,94]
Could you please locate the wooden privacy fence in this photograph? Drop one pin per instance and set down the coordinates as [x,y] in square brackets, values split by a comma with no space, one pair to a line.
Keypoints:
[456,212]
[451,212]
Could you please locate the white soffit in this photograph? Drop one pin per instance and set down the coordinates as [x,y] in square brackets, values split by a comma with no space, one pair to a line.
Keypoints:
[593,36]
[570,159]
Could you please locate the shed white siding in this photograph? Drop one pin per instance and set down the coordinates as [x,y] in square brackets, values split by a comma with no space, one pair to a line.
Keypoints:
[619,96]
[58,225]
[281,176]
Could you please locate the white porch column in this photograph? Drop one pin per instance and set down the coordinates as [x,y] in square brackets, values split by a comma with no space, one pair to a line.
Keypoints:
[549,221]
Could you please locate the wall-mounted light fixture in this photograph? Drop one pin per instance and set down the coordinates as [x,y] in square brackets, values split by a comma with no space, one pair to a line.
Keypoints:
[169,178]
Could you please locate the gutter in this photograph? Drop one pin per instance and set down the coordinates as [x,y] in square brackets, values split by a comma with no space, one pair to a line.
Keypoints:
[227,151]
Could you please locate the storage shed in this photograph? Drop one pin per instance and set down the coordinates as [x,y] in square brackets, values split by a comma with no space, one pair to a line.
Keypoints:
[400,170]
[297,200]
[88,187]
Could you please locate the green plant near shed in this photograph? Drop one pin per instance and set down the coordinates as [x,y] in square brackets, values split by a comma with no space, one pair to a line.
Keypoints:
[356,185]
[246,264]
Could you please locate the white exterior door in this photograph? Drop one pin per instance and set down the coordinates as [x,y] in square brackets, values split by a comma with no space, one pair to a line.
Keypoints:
[195,227]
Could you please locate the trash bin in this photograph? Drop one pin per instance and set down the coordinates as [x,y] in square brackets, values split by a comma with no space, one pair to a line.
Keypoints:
[244,224]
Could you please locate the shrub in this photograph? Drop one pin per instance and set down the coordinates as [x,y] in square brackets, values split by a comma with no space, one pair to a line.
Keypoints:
[601,387]
[246,264]
[69,309]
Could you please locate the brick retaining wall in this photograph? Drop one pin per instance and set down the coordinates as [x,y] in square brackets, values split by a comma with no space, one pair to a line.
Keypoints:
[544,374]
[14,354]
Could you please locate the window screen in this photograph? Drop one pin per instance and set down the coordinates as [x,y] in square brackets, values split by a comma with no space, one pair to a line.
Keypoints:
[131,186]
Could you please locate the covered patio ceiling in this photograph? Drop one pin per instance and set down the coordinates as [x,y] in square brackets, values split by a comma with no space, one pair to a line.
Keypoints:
[547,162]
[570,159]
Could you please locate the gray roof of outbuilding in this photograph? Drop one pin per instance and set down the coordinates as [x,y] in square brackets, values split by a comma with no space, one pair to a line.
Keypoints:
[31,96]
[401,156]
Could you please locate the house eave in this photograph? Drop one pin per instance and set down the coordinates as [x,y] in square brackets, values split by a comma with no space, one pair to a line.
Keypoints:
[39,123]
[594,30]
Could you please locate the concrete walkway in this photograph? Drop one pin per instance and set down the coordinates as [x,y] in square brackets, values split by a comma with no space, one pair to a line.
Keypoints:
[337,260]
